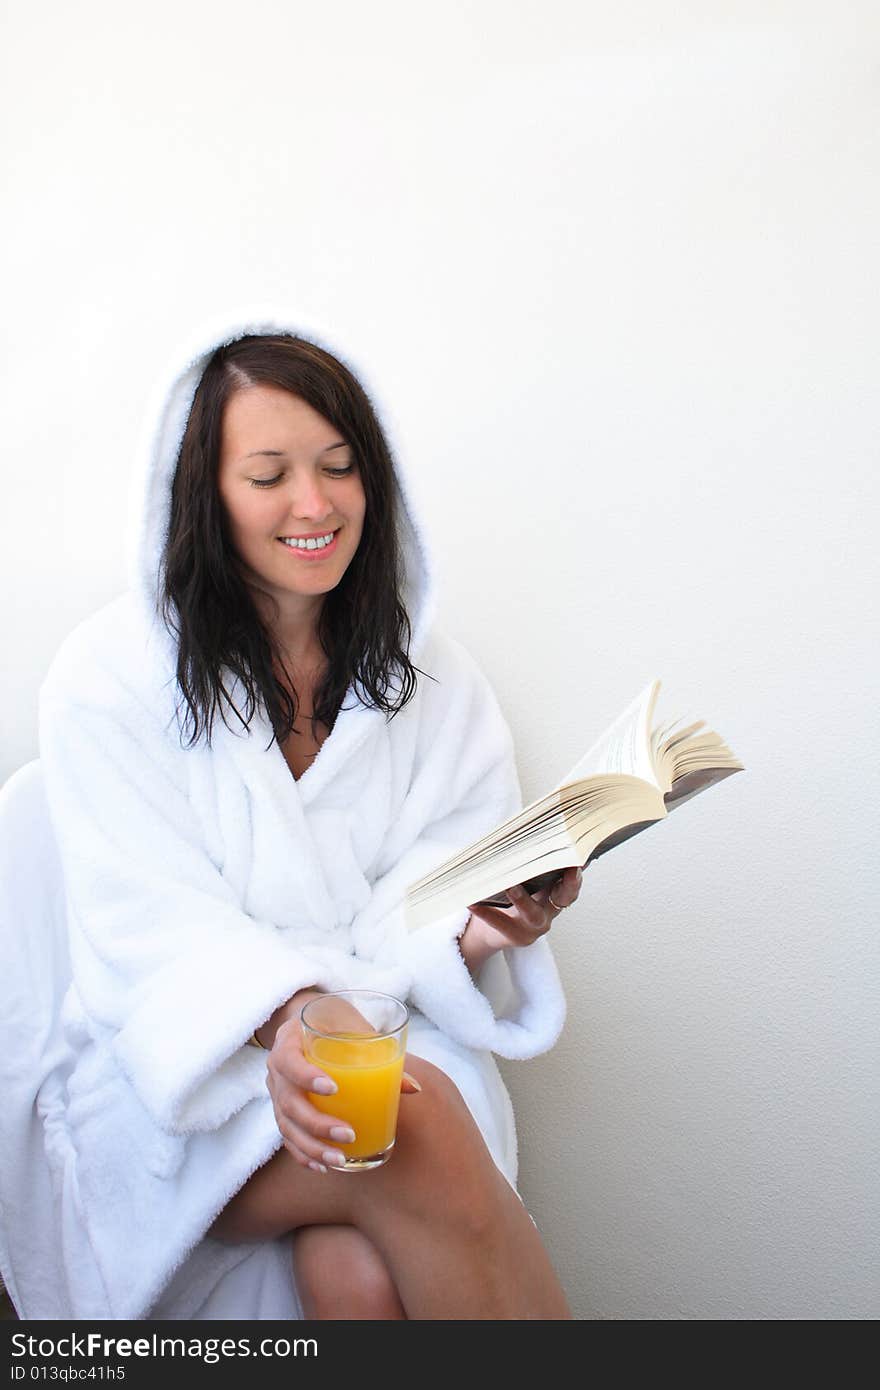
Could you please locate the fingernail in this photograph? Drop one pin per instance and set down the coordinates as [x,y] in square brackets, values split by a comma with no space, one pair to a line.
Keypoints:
[316,1167]
[333,1159]
[514,892]
[324,1086]
[412,1081]
[342,1134]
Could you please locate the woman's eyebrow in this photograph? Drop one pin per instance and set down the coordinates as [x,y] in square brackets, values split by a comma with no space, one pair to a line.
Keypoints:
[280,454]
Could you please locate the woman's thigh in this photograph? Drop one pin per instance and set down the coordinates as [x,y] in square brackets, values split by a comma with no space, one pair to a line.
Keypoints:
[283,1196]
[441,1168]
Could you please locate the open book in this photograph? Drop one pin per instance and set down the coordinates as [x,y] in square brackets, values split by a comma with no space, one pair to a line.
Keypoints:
[633,776]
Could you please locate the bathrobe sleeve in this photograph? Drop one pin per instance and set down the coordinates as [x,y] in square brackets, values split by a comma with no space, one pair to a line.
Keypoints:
[465,783]
[167,966]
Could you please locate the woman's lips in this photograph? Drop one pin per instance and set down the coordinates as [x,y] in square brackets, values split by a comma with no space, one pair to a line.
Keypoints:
[319,553]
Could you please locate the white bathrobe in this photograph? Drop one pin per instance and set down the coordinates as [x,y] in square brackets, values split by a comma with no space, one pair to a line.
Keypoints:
[204,886]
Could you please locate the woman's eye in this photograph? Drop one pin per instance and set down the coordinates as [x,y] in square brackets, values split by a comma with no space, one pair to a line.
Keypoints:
[270,482]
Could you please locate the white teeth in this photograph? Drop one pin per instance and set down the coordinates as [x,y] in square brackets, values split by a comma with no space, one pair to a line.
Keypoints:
[316,544]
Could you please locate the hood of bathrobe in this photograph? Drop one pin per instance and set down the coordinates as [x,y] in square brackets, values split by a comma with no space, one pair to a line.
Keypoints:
[165,419]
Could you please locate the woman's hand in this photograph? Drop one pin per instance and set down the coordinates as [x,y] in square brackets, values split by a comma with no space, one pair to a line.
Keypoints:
[529,917]
[309,1134]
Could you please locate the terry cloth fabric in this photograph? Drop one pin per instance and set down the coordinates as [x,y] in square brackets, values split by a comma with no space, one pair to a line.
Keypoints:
[204,886]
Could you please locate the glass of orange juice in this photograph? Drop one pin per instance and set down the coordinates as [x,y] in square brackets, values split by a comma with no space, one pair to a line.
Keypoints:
[358,1037]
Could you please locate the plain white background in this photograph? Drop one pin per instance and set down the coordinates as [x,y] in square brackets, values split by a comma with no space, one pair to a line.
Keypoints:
[615,267]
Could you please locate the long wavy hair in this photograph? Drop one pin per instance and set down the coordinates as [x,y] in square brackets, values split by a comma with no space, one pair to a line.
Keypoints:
[363,628]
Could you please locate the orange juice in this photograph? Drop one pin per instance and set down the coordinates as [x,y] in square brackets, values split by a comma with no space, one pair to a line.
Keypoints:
[368,1072]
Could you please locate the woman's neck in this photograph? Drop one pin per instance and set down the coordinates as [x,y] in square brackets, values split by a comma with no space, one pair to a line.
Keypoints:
[304,663]
[295,633]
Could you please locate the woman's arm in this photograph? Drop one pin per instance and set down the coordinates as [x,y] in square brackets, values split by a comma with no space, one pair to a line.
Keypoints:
[475,949]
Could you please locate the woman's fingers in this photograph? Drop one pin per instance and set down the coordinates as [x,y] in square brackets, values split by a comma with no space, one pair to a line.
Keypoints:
[530,915]
[564,891]
[530,910]
[570,887]
[309,1134]
[307,1149]
[292,1104]
[522,921]
[312,1136]
[288,1062]
[522,914]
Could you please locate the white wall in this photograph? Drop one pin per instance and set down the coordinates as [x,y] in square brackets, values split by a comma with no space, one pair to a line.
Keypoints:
[616,267]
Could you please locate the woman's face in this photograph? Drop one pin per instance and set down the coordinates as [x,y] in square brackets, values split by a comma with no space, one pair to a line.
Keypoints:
[287,474]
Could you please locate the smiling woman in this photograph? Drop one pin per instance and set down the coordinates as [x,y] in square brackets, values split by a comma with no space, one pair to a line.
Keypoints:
[208,894]
[289,440]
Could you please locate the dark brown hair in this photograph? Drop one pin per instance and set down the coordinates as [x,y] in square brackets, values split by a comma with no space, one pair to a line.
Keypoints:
[364,628]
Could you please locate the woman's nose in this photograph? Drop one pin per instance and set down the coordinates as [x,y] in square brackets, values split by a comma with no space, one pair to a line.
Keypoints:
[309,500]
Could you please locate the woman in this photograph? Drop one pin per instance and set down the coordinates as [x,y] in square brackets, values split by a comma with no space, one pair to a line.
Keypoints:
[245,769]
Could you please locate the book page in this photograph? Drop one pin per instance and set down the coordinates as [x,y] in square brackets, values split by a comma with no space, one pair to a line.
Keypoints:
[625,746]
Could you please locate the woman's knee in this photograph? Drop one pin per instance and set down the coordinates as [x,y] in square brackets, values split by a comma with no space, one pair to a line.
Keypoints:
[441,1161]
[341,1275]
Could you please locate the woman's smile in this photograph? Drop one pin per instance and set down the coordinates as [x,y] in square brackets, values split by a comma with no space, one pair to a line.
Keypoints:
[317,546]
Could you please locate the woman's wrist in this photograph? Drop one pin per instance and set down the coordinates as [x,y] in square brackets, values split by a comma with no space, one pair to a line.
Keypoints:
[475,946]
[291,1008]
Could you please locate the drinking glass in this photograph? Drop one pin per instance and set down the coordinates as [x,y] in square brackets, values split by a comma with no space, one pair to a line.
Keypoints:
[358,1037]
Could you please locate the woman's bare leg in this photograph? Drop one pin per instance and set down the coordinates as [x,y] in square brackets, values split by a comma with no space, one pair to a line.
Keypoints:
[456,1239]
[341,1275]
